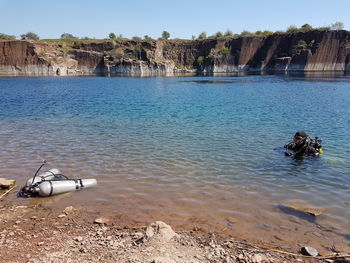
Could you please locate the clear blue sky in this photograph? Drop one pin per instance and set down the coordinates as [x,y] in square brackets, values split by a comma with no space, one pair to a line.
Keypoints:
[97,18]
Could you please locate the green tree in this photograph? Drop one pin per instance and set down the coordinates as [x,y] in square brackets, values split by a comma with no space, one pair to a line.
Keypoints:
[306,28]
[225,51]
[136,38]
[165,35]
[147,37]
[200,60]
[302,43]
[267,33]
[245,33]
[337,26]
[292,29]
[218,34]
[30,35]
[67,36]
[7,37]
[202,35]
[228,33]
[112,36]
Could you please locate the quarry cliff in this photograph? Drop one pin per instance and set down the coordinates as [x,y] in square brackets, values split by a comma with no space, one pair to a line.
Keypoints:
[279,52]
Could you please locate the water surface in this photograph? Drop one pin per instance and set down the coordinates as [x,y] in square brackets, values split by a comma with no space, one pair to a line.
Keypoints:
[189,150]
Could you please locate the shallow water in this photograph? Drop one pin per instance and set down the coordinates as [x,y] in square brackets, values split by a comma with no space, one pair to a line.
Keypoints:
[189,150]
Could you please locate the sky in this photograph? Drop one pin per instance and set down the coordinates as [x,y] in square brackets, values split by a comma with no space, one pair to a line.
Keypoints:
[182,19]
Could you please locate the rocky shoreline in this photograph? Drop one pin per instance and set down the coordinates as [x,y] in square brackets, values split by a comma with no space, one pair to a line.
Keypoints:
[41,234]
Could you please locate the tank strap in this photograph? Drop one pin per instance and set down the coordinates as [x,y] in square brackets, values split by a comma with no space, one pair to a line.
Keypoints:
[51,188]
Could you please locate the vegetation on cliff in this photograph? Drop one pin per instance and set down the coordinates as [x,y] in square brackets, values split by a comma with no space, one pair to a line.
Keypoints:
[203,35]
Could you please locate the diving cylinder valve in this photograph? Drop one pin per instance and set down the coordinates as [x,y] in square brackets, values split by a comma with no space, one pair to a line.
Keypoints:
[49,175]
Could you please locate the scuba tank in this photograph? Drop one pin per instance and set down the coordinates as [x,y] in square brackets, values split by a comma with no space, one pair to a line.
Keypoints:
[52,182]
[54,187]
[316,143]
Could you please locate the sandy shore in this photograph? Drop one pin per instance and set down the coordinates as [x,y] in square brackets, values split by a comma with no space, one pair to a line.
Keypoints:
[42,234]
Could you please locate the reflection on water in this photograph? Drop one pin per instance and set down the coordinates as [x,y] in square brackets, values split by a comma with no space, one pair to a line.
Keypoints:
[179,150]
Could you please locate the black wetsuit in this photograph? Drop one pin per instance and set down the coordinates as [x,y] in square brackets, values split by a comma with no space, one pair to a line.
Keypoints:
[305,149]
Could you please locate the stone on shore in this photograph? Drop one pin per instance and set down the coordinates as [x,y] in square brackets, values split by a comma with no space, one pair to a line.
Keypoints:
[309,251]
[6,183]
[161,231]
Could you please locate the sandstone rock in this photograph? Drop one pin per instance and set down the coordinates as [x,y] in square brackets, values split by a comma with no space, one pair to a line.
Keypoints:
[6,183]
[69,210]
[101,220]
[161,231]
[303,207]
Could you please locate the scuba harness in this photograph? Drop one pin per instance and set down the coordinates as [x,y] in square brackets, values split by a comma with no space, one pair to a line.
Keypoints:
[309,143]
[52,182]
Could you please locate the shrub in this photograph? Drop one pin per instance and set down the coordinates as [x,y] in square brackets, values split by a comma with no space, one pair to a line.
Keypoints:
[337,26]
[302,43]
[306,28]
[165,35]
[292,29]
[202,35]
[136,38]
[224,51]
[30,35]
[112,36]
[7,37]
[228,33]
[312,43]
[245,33]
[200,60]
[218,34]
[147,37]
[67,36]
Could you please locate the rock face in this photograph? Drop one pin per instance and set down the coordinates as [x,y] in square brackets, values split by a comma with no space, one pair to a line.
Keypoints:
[310,51]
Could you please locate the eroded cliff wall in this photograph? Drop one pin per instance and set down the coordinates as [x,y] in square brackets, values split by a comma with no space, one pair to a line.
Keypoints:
[311,51]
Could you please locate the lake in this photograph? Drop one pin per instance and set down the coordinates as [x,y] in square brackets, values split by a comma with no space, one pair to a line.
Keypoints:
[191,151]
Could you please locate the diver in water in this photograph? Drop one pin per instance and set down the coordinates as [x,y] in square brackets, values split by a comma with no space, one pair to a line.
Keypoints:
[304,145]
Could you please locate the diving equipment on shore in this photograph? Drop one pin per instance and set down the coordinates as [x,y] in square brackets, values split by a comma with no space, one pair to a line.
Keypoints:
[52,182]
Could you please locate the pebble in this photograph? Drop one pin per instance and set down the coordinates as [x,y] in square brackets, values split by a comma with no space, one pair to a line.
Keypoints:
[69,210]
[61,216]
[257,258]
[79,239]
[309,251]
[101,220]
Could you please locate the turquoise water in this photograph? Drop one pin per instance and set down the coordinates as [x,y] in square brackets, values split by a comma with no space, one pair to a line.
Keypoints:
[184,145]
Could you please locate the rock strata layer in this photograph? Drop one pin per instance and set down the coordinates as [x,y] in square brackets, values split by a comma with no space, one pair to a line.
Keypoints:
[309,51]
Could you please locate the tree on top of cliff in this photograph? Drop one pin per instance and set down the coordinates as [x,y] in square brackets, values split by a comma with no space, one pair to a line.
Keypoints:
[337,26]
[202,35]
[228,33]
[165,35]
[112,36]
[67,36]
[147,37]
[292,29]
[306,28]
[30,36]
[7,37]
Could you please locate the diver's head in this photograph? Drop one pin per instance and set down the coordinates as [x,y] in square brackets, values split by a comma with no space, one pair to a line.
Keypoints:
[300,137]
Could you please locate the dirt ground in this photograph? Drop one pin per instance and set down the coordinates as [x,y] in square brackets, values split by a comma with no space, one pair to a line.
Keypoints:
[41,234]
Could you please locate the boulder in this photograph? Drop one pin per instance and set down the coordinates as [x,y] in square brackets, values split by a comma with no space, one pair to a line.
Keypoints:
[161,231]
